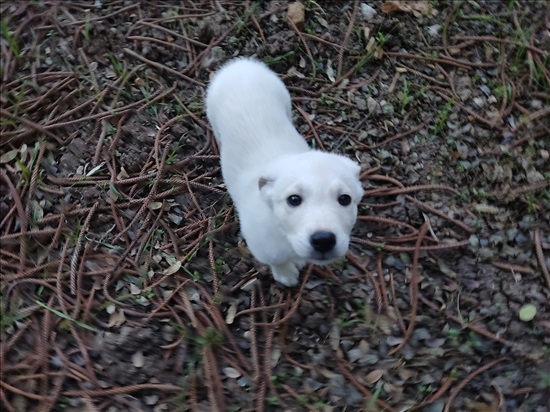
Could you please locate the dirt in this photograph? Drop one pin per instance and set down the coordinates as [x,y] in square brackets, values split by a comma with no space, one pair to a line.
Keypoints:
[126,284]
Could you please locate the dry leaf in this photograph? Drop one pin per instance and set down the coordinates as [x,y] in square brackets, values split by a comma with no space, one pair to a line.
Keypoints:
[230,317]
[275,356]
[116,319]
[138,360]
[478,406]
[123,174]
[231,372]
[9,156]
[155,205]
[418,8]
[134,290]
[95,169]
[330,72]
[406,374]
[172,269]
[37,211]
[485,208]
[374,376]
[296,14]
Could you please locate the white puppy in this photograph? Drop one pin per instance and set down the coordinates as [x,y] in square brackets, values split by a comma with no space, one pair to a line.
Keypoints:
[295,204]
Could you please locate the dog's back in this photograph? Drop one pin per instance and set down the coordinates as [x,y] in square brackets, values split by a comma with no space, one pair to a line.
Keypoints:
[250,111]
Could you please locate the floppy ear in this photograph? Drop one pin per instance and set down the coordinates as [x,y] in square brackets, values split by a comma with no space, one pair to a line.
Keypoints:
[355,170]
[262,181]
[265,185]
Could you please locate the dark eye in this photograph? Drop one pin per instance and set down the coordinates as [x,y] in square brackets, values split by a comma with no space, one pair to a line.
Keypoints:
[344,200]
[294,200]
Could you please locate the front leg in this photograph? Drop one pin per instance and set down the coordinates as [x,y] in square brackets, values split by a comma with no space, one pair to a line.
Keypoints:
[286,273]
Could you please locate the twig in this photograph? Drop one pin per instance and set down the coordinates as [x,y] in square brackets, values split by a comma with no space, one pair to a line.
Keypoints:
[163,67]
[467,379]
[346,37]
[540,257]
[497,39]
[413,289]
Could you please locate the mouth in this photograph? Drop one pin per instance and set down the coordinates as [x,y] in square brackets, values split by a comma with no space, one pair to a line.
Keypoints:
[322,258]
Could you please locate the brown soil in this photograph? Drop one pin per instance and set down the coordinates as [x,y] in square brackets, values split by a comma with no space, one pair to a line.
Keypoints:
[125,285]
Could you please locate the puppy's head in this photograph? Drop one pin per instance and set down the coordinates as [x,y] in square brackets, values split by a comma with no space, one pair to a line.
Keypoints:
[314,197]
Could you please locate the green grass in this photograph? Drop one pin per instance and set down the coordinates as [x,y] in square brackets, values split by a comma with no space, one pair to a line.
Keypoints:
[504,90]
[370,403]
[8,320]
[26,162]
[272,400]
[66,317]
[544,380]
[481,17]
[117,65]
[13,44]
[170,159]
[270,61]
[312,5]
[87,27]
[16,98]
[533,206]
[373,48]
[442,116]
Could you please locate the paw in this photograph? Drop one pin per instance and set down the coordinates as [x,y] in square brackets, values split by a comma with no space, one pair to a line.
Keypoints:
[286,273]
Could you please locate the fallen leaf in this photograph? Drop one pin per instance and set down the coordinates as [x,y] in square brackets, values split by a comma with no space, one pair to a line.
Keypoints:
[37,211]
[232,373]
[393,340]
[9,156]
[134,290]
[330,72]
[138,360]
[296,14]
[485,208]
[230,317]
[406,374]
[171,260]
[155,205]
[116,319]
[374,376]
[123,174]
[151,400]
[95,170]
[478,406]
[417,8]
[275,356]
[172,269]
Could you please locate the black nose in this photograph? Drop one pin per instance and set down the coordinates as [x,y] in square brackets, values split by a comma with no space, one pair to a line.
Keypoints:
[323,241]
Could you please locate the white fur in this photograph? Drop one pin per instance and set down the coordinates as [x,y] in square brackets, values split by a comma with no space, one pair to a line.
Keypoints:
[264,161]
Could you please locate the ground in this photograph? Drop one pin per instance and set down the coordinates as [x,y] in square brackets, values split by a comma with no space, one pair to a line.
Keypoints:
[125,285]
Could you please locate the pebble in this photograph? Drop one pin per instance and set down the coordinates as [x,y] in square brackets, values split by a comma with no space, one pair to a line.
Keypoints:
[434,30]
[521,239]
[395,262]
[368,12]
[485,90]
[536,104]
[373,106]
[485,253]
